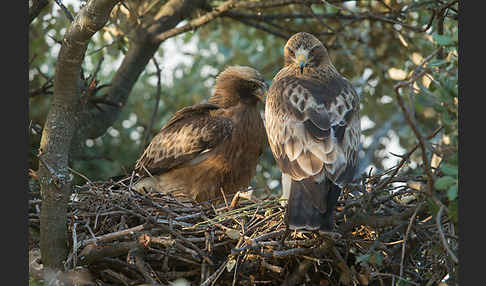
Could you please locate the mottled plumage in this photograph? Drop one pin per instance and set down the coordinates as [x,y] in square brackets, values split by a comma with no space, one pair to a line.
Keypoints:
[313,128]
[209,148]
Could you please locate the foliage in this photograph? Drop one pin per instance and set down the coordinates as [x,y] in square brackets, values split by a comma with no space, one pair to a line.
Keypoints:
[364,51]
[375,44]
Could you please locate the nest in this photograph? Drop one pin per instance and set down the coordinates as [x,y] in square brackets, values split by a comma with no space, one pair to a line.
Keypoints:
[385,235]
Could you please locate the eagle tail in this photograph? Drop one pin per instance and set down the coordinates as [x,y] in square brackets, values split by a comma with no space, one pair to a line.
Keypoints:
[311,205]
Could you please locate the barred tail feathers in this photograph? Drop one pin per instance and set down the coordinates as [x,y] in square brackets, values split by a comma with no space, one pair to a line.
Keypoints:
[311,205]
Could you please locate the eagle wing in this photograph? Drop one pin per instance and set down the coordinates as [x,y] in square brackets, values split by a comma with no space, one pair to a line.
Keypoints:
[313,127]
[188,137]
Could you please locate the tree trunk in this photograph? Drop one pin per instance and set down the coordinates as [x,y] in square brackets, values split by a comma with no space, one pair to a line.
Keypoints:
[54,176]
[95,122]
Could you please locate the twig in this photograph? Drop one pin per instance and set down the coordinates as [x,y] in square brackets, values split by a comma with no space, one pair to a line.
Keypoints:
[380,133]
[156,107]
[142,266]
[297,275]
[212,279]
[116,235]
[79,174]
[66,10]
[373,274]
[261,27]
[406,235]
[75,246]
[284,16]
[96,71]
[319,19]
[442,236]
[44,89]
[119,278]
[192,245]
[416,75]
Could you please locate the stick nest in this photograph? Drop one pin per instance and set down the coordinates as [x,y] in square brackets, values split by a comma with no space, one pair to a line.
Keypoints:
[120,237]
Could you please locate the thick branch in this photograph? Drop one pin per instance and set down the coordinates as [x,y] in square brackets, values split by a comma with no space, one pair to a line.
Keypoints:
[223,8]
[59,130]
[198,21]
[94,121]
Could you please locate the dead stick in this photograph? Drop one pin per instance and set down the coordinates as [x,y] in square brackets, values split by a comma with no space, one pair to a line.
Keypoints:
[405,238]
[115,235]
[442,237]
[212,279]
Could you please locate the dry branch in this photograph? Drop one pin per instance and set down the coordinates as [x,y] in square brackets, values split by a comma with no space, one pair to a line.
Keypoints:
[211,244]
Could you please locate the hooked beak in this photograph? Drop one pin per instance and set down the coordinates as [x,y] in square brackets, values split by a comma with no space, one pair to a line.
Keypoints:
[302,61]
[260,93]
[261,97]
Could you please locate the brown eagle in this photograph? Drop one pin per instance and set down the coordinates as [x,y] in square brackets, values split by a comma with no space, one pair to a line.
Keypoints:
[212,147]
[313,128]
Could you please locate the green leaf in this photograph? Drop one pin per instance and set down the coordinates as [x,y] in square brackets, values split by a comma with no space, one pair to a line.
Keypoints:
[442,40]
[452,192]
[443,183]
[449,169]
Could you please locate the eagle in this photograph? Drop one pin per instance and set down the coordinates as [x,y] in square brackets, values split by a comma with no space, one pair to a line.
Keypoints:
[313,129]
[210,148]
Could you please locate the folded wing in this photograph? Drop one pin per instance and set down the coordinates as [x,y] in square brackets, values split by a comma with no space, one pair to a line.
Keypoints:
[186,139]
[313,127]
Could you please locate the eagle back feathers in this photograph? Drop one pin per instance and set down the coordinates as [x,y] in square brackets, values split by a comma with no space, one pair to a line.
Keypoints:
[312,124]
[189,134]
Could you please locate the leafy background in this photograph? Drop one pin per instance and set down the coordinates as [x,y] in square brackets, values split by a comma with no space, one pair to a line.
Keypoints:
[375,55]
[375,44]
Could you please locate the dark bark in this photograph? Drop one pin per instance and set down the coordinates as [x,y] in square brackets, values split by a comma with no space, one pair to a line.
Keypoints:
[54,176]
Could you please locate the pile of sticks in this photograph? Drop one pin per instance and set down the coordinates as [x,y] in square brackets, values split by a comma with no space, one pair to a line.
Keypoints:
[384,235]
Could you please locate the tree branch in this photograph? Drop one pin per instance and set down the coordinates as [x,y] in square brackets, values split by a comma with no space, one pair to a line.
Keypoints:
[417,73]
[65,10]
[156,107]
[196,23]
[442,236]
[37,7]
[261,27]
[59,129]
[94,122]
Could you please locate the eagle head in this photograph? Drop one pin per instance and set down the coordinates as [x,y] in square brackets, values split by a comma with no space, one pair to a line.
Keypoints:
[239,83]
[305,50]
